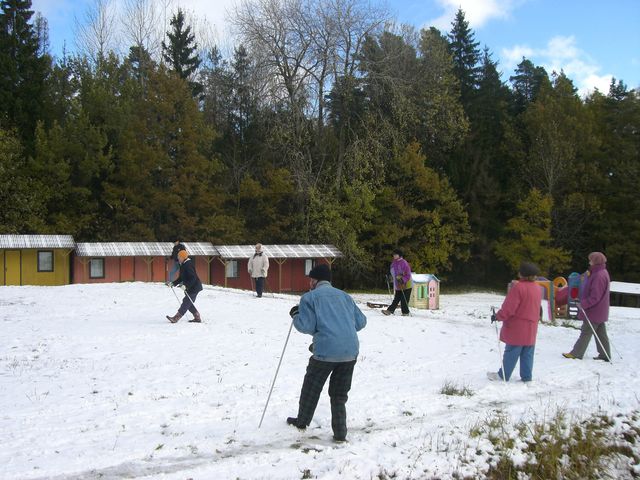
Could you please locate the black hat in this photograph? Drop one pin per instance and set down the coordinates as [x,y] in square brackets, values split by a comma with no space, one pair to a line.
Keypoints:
[528,269]
[321,272]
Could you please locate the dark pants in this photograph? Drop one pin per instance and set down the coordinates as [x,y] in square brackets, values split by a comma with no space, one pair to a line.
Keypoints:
[188,304]
[339,386]
[585,337]
[402,297]
[259,285]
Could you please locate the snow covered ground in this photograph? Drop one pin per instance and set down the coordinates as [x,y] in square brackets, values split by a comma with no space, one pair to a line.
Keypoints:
[95,383]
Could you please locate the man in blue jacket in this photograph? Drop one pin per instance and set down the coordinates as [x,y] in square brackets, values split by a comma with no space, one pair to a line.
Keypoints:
[333,318]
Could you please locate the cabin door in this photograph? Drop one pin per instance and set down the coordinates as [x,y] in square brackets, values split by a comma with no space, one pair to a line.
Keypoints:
[12,270]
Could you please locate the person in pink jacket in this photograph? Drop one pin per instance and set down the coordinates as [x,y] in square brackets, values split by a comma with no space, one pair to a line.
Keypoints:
[519,315]
[594,301]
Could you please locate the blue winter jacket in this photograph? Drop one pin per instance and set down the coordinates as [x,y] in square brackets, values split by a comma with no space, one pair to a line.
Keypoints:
[333,318]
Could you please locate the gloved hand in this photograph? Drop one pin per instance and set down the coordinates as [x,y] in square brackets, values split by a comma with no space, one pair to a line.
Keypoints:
[311,347]
[494,318]
[294,311]
[181,286]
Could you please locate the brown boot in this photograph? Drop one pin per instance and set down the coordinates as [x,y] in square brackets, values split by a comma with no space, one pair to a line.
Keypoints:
[196,318]
[175,318]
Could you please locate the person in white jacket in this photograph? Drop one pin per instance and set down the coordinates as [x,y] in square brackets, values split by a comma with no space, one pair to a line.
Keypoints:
[258,266]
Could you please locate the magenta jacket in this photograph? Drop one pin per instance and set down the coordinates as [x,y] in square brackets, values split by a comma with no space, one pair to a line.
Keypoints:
[594,295]
[401,267]
[520,313]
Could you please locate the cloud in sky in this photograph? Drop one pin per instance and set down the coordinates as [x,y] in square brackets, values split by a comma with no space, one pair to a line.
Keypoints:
[476,12]
[561,53]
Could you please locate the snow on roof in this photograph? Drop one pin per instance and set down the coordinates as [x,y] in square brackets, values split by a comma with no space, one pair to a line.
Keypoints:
[141,249]
[624,287]
[280,251]
[200,249]
[423,277]
[37,241]
[124,249]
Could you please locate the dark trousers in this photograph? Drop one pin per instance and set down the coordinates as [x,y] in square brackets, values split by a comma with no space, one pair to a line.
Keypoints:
[339,386]
[402,297]
[188,304]
[585,337]
[259,285]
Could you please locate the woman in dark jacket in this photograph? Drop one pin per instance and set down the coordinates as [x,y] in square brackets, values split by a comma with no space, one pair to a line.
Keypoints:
[189,278]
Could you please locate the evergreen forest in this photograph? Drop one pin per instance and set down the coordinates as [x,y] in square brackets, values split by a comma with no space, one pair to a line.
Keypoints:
[324,122]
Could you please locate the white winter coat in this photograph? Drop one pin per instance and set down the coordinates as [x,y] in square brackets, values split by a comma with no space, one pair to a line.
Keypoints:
[258,265]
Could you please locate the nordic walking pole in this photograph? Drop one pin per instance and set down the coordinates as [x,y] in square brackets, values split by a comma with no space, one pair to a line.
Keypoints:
[406,303]
[188,296]
[276,375]
[593,330]
[174,292]
[504,375]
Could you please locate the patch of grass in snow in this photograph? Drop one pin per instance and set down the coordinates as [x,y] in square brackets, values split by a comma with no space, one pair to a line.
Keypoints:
[452,389]
[561,447]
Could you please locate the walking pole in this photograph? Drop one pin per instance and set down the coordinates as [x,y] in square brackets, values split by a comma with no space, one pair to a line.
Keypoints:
[276,375]
[188,296]
[174,292]
[504,375]
[406,303]
[593,330]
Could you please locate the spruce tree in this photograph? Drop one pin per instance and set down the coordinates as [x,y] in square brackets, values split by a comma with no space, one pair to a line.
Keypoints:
[180,52]
[24,68]
[466,56]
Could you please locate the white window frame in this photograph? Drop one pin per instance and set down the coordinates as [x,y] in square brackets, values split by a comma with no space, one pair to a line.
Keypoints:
[231,269]
[96,263]
[309,263]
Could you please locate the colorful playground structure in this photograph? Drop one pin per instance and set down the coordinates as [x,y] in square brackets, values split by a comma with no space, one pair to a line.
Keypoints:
[562,295]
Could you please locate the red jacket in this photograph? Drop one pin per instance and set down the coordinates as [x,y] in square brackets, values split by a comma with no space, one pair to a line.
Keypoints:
[520,313]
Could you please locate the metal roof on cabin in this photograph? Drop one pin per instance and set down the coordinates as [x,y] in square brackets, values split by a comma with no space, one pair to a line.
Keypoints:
[124,249]
[279,251]
[37,241]
[141,249]
[200,249]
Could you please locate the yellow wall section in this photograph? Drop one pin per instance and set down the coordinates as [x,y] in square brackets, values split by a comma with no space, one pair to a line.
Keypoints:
[30,274]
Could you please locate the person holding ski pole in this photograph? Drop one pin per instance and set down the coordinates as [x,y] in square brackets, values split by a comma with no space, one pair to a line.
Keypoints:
[258,265]
[189,278]
[333,318]
[519,314]
[401,275]
[593,309]
[177,247]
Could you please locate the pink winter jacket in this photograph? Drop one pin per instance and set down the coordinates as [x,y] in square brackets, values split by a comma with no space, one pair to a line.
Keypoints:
[520,313]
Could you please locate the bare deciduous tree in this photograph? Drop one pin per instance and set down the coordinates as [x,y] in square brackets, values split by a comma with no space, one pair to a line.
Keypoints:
[140,24]
[96,32]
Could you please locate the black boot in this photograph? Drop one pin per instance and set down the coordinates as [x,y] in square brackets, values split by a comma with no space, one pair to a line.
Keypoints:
[294,421]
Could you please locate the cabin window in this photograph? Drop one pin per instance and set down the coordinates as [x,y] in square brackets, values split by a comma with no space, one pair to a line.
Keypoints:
[309,263]
[231,269]
[96,268]
[45,261]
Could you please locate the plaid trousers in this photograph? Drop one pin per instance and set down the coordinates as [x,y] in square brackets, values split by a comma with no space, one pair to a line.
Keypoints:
[339,386]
